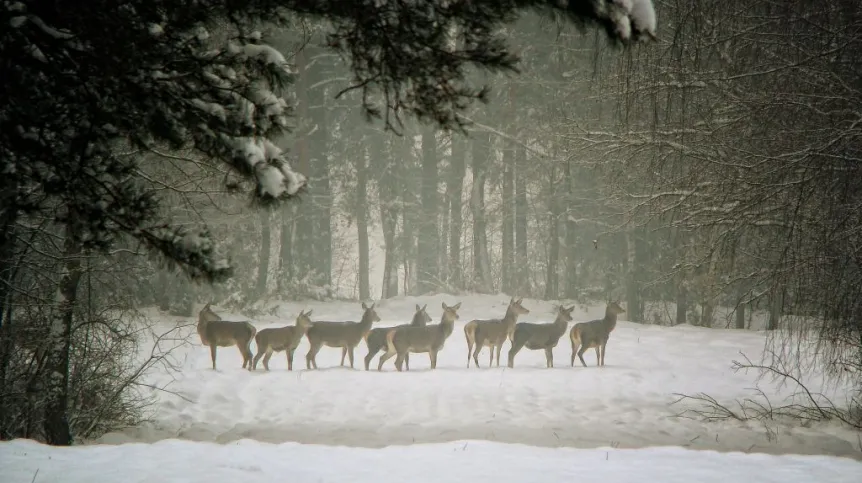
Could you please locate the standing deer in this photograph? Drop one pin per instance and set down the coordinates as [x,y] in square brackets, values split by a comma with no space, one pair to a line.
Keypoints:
[376,338]
[540,336]
[492,332]
[339,334]
[404,340]
[215,332]
[595,334]
[281,339]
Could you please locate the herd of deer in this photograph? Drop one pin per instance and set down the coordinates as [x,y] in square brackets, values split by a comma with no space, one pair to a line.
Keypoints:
[415,337]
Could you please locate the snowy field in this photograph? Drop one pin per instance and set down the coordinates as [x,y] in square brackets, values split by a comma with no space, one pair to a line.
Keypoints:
[624,404]
[614,423]
[467,461]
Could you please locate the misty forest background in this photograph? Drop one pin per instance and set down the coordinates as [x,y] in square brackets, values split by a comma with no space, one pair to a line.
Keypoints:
[700,179]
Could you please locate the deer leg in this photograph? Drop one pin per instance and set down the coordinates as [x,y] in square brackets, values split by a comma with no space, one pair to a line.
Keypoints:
[407,360]
[581,354]
[266,360]
[343,354]
[549,357]
[499,348]
[476,354]
[350,354]
[491,359]
[469,351]
[213,349]
[256,358]
[574,353]
[399,361]
[311,357]
[433,356]
[368,358]
[516,347]
[385,357]
[290,354]
[604,344]
[598,355]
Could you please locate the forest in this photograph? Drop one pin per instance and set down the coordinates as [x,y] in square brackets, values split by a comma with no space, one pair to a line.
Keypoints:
[703,177]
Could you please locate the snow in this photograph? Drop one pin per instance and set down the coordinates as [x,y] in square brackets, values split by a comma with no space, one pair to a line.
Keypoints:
[274,176]
[265,53]
[627,403]
[638,15]
[473,461]
[156,30]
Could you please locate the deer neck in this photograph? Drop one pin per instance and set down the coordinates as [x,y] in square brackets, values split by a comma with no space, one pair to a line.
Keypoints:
[365,322]
[510,318]
[561,323]
[446,326]
[610,321]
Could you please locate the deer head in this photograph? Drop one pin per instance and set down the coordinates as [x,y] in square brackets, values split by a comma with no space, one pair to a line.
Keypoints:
[370,314]
[421,315]
[450,314]
[303,320]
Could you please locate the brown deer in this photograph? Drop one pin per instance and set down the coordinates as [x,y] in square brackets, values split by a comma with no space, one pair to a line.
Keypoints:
[492,332]
[339,334]
[404,340]
[540,336]
[281,339]
[215,332]
[594,334]
[376,338]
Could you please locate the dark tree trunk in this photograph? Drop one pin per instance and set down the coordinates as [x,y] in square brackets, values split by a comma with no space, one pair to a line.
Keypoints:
[454,189]
[508,225]
[318,146]
[55,372]
[362,224]
[303,240]
[481,262]
[428,240]
[409,175]
[552,289]
[571,278]
[265,248]
[285,253]
[636,276]
[387,190]
[522,287]
[776,307]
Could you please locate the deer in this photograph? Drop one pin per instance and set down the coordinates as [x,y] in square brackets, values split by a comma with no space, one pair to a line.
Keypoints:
[215,332]
[376,338]
[281,339]
[492,332]
[404,340]
[594,334]
[540,336]
[339,334]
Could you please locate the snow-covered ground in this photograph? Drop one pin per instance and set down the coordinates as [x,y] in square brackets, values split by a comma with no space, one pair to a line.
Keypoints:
[467,461]
[613,423]
[624,404]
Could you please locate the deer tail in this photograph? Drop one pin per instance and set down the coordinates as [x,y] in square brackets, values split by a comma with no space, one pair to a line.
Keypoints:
[390,342]
[470,332]
[575,335]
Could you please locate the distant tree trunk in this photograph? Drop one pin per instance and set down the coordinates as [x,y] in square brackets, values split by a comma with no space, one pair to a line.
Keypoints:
[428,229]
[552,288]
[410,209]
[678,247]
[776,307]
[571,278]
[739,323]
[522,286]
[285,253]
[454,190]
[265,248]
[636,276]
[163,292]
[481,263]
[508,226]
[318,146]
[362,224]
[387,189]
[303,256]
[56,369]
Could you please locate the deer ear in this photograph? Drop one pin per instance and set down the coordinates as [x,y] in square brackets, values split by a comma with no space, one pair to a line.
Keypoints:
[424,307]
[364,307]
[372,305]
[520,300]
[457,306]
[308,314]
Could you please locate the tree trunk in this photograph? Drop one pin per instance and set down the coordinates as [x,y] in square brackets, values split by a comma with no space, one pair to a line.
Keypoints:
[56,368]
[454,189]
[362,224]
[320,206]
[776,307]
[522,274]
[481,263]
[571,278]
[552,289]
[740,308]
[303,245]
[285,253]
[508,225]
[265,248]
[636,276]
[410,210]
[387,188]
[428,244]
